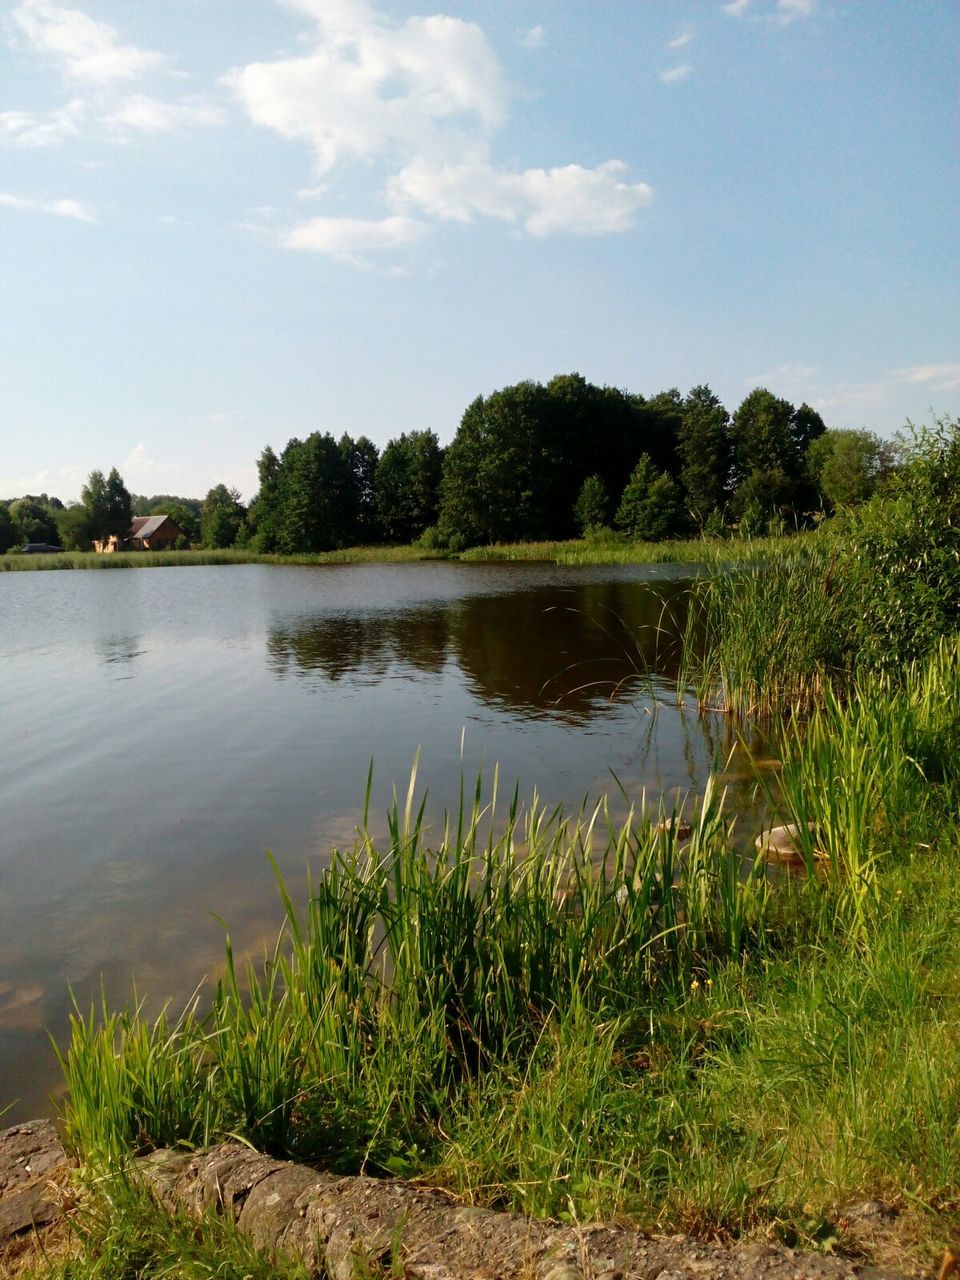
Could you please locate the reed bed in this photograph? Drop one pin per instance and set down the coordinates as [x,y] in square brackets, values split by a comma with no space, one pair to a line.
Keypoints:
[227,556]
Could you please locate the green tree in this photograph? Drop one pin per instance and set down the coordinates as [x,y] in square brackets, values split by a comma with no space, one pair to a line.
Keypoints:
[705,451]
[33,521]
[630,515]
[847,466]
[108,505]
[592,505]
[357,492]
[8,529]
[222,517]
[73,525]
[900,554]
[768,468]
[407,485]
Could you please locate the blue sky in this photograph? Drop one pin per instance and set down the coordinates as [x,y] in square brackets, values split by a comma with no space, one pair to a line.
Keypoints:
[227,222]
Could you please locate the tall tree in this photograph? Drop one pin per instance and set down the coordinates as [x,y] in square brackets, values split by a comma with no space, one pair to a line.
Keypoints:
[108,505]
[222,517]
[407,485]
[767,462]
[592,506]
[705,451]
[8,529]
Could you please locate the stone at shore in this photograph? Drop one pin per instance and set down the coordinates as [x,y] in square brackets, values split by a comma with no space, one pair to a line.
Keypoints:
[783,844]
[336,1225]
[32,1163]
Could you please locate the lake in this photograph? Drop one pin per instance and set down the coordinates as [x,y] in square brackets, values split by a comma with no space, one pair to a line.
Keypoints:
[163,728]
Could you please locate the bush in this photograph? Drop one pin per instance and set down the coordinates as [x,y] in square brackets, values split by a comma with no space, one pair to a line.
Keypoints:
[900,558]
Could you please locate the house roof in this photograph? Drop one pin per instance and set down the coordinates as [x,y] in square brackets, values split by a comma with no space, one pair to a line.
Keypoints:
[147,526]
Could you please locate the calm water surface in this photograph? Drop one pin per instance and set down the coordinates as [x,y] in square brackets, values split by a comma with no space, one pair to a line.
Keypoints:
[163,728]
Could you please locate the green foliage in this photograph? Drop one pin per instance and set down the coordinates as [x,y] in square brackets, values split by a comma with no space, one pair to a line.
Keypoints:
[901,554]
[108,505]
[319,495]
[592,506]
[33,521]
[8,529]
[651,508]
[769,439]
[407,486]
[184,516]
[222,517]
[520,456]
[75,528]
[705,450]
[847,466]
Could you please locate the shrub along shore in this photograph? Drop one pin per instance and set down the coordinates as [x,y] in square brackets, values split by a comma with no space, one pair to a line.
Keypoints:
[573,1017]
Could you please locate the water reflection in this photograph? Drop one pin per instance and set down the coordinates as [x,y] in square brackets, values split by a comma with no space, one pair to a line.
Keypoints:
[565,653]
[337,646]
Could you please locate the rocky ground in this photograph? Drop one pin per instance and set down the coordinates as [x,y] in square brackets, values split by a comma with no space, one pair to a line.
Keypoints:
[331,1223]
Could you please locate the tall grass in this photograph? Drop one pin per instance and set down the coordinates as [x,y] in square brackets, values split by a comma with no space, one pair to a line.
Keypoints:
[414,968]
[576,1017]
[230,555]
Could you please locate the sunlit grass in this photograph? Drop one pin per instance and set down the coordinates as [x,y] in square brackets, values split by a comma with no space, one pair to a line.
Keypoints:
[572,1017]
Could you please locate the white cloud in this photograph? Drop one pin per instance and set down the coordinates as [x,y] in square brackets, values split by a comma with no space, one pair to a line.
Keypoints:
[61,208]
[673,75]
[347,237]
[143,114]
[421,99]
[533,38]
[737,8]
[684,38]
[946,376]
[42,129]
[86,49]
[568,199]
[139,469]
[792,373]
[368,89]
[793,10]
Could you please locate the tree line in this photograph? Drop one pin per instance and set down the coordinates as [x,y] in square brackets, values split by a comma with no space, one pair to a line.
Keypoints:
[528,462]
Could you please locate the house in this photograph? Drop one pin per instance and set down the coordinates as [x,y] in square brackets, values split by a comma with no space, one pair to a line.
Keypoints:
[146,533]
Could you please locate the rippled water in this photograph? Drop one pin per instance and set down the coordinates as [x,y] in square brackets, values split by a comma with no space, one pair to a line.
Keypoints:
[163,728]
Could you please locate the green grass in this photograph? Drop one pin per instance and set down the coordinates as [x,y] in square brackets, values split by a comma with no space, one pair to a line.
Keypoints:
[569,1017]
[121,1233]
[615,549]
[231,555]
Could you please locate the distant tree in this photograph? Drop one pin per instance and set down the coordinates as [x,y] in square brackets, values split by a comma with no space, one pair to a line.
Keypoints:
[357,498]
[847,466]
[33,521]
[407,485]
[8,529]
[108,505]
[768,461]
[630,515]
[499,470]
[222,517]
[592,506]
[74,529]
[705,452]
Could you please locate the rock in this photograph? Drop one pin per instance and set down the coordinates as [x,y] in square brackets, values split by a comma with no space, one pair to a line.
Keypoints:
[678,827]
[31,1159]
[782,844]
